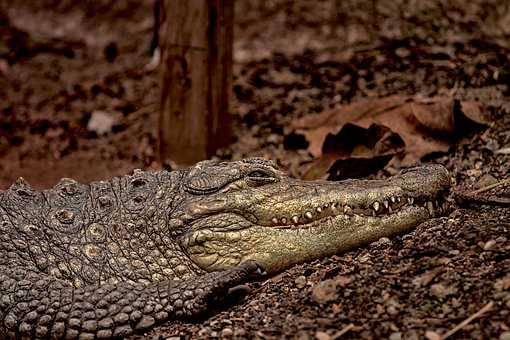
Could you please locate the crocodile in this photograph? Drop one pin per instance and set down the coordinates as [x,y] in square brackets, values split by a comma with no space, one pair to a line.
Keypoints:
[114,258]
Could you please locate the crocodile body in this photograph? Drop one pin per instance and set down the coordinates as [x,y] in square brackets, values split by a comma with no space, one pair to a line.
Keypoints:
[112,258]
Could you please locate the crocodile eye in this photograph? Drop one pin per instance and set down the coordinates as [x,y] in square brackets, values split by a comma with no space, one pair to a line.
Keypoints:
[260,177]
[259,174]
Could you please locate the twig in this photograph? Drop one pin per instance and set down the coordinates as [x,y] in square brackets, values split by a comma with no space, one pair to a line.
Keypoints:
[492,186]
[464,323]
[343,331]
[465,199]
[472,197]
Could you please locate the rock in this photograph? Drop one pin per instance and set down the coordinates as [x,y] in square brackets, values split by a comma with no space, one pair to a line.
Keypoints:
[503,151]
[384,240]
[396,336]
[489,245]
[100,122]
[227,332]
[441,291]
[504,336]
[300,282]
[327,290]
[431,335]
[322,336]
[392,310]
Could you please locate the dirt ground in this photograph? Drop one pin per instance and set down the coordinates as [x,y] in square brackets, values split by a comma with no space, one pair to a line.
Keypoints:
[62,62]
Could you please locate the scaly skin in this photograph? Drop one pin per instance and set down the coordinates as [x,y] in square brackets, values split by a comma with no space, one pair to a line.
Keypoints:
[113,258]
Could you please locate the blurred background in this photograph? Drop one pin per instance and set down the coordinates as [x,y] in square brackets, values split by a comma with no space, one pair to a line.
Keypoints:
[76,98]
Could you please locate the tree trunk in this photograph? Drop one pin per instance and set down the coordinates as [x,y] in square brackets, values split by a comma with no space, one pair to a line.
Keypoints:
[196,46]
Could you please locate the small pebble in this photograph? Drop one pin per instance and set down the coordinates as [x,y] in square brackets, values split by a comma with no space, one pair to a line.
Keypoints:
[439,290]
[322,336]
[227,332]
[431,335]
[504,336]
[396,336]
[392,310]
[489,245]
[300,281]
[384,240]
[101,122]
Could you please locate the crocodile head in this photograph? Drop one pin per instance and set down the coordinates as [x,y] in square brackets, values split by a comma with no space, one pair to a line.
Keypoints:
[235,211]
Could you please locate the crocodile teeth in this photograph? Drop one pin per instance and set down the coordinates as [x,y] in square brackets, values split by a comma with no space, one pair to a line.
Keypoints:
[386,204]
[347,210]
[398,199]
[410,200]
[308,215]
[295,219]
[274,220]
[284,220]
[333,206]
[393,199]
[319,209]
[376,206]
[326,206]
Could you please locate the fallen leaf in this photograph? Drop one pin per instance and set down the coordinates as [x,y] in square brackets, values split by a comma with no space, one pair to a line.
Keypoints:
[316,127]
[426,125]
[355,152]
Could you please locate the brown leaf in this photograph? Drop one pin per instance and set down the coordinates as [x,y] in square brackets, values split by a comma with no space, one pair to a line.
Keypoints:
[474,111]
[426,125]
[355,152]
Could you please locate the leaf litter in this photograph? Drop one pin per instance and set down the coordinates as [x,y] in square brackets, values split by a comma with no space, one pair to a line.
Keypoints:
[360,138]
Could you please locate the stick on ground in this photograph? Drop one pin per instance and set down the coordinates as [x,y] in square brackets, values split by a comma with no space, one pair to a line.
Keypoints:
[464,323]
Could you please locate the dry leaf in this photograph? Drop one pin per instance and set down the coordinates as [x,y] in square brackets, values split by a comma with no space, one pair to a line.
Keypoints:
[355,152]
[426,125]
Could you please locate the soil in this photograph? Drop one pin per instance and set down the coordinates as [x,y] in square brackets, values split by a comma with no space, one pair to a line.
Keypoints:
[63,61]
